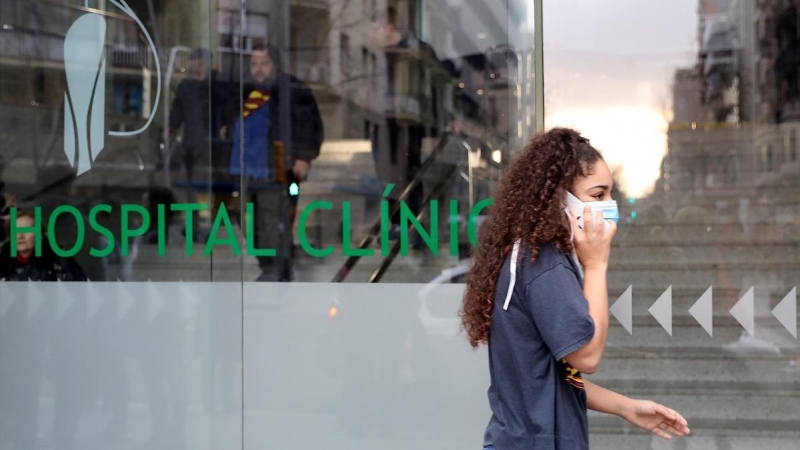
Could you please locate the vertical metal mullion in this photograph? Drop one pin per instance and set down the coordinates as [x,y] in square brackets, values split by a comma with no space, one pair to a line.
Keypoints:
[210,195]
[243,188]
[538,64]
[285,261]
[243,197]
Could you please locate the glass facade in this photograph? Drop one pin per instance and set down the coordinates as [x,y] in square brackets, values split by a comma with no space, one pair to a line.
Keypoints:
[256,215]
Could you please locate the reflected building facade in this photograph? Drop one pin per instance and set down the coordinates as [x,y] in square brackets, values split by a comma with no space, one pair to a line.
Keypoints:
[732,137]
[475,82]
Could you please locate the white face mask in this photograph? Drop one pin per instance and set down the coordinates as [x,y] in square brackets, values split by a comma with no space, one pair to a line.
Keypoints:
[609,209]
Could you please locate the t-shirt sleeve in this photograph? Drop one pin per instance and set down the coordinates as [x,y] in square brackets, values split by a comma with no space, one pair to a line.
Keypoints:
[560,311]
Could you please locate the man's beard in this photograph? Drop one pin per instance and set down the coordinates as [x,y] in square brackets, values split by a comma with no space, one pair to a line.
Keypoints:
[266,81]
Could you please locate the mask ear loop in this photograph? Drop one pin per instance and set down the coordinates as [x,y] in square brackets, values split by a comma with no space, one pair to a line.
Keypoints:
[514,255]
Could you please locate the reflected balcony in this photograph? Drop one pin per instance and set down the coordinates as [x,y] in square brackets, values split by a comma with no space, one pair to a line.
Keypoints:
[33,48]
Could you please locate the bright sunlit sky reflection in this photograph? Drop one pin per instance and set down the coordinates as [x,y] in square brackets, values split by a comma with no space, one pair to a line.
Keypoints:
[608,73]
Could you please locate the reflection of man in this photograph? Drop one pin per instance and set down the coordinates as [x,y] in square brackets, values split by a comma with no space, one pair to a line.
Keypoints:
[260,140]
[193,109]
[405,103]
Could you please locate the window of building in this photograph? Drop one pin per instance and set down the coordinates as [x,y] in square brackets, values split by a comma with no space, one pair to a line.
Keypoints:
[234,37]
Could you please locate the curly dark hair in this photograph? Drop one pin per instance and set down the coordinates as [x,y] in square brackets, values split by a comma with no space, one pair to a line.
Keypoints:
[528,206]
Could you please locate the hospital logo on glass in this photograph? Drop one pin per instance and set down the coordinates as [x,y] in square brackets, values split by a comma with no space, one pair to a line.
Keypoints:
[85,98]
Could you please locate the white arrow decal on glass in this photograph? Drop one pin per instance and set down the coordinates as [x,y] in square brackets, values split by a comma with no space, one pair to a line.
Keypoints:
[622,309]
[703,311]
[7,298]
[124,298]
[95,298]
[64,297]
[35,298]
[744,312]
[155,301]
[786,312]
[662,310]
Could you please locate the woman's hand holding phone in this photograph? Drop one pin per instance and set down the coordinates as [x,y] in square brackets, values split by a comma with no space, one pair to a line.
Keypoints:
[593,240]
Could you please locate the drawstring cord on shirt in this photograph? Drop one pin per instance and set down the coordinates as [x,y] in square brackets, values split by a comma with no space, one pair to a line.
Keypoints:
[512,282]
[514,254]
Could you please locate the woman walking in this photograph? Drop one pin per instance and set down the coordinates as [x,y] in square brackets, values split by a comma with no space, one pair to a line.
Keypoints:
[537,295]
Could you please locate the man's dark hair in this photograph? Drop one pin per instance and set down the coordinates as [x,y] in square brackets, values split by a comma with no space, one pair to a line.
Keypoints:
[387,16]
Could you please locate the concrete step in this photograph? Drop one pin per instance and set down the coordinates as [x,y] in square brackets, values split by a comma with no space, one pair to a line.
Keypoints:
[684,366]
[699,278]
[654,252]
[680,234]
[615,434]
[649,336]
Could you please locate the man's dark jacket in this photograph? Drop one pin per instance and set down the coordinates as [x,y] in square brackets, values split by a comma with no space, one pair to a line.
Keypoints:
[198,108]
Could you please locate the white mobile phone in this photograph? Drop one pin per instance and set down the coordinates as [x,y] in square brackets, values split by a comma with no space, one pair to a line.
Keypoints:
[576,207]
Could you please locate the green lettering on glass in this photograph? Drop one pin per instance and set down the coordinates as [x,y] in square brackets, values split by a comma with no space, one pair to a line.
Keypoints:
[137,226]
[303,234]
[473,215]
[386,221]
[454,227]
[161,233]
[431,239]
[189,209]
[94,224]
[51,231]
[222,219]
[36,229]
[126,233]
[347,249]
[250,236]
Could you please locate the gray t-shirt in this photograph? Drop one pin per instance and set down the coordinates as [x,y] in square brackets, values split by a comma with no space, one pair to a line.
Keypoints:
[537,399]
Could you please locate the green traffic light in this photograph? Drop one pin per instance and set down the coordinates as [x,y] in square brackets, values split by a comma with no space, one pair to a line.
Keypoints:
[294,189]
[633,215]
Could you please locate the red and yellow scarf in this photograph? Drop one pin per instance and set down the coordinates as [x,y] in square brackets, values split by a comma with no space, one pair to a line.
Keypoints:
[574,376]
